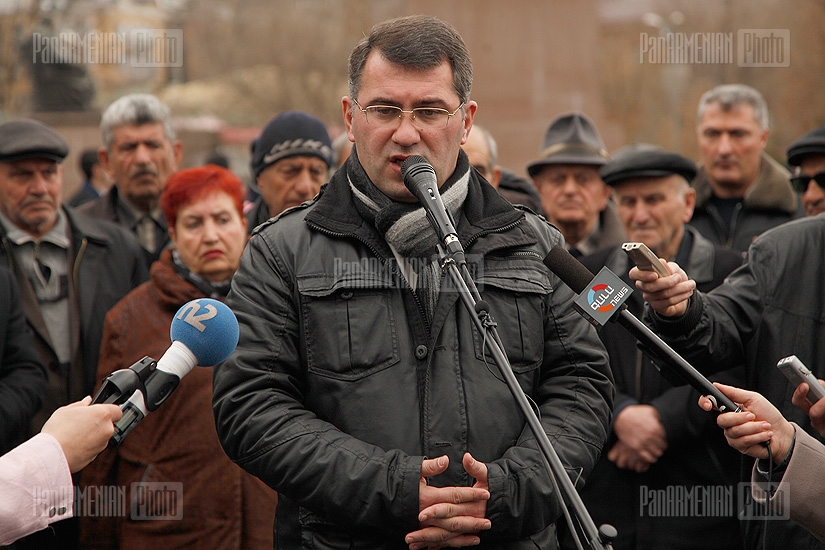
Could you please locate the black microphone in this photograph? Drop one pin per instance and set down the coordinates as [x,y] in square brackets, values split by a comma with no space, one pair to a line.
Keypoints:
[601,299]
[419,177]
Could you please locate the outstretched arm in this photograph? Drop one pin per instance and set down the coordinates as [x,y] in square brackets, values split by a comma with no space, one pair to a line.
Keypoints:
[759,422]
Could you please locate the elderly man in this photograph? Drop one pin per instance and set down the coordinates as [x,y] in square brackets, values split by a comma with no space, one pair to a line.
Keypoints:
[575,199]
[139,152]
[360,389]
[70,268]
[740,190]
[290,161]
[482,151]
[659,438]
[807,156]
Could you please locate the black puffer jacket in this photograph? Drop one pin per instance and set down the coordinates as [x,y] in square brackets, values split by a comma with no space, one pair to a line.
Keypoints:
[339,387]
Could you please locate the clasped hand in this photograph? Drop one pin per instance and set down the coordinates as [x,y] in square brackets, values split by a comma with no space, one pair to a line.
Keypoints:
[451,516]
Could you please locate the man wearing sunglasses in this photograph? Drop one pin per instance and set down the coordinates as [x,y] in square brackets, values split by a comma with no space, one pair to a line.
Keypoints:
[807,155]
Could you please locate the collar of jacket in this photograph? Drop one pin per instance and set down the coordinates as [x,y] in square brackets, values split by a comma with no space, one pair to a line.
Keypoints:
[701,257]
[484,212]
[772,188]
[84,227]
[257,214]
[81,227]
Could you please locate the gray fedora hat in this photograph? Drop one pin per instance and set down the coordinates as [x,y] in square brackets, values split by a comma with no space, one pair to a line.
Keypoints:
[570,139]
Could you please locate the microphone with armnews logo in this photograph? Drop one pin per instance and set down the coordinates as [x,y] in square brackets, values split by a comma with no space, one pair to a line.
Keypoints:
[601,299]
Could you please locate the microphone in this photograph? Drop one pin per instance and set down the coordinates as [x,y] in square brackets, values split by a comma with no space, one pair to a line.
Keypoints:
[204,332]
[601,299]
[419,177]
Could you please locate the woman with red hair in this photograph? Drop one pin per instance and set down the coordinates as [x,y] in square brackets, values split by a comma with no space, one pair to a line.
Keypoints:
[210,502]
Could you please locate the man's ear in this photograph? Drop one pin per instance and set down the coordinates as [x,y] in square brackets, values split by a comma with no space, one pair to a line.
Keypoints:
[103,157]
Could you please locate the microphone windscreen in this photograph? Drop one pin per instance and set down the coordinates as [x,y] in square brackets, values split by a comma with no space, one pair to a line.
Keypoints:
[208,328]
[567,268]
[409,162]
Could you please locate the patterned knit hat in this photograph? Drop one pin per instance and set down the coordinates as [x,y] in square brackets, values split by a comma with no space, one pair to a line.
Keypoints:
[291,134]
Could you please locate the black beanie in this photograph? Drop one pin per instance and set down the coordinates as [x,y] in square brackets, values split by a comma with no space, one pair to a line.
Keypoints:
[290,134]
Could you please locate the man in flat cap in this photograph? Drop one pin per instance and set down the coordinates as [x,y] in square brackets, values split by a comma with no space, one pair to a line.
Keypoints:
[290,161]
[660,438]
[807,156]
[70,268]
[740,190]
[566,175]
[140,151]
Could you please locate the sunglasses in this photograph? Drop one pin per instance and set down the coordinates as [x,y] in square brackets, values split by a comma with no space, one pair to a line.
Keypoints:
[800,183]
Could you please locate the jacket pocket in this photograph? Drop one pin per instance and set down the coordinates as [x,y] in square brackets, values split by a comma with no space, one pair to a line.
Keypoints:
[515,289]
[319,534]
[349,328]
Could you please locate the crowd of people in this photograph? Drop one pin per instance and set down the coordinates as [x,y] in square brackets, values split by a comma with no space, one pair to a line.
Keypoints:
[361,408]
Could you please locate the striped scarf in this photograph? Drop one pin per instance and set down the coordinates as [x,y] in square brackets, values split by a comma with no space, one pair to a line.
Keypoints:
[405,225]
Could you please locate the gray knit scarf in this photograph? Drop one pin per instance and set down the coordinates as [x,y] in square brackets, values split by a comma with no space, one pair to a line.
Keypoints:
[405,226]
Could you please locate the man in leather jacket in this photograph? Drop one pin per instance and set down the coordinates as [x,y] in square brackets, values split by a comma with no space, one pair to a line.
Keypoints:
[766,310]
[360,389]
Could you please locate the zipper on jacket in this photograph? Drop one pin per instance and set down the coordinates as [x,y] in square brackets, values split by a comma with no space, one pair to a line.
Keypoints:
[76,266]
[502,229]
[733,219]
[726,234]
[526,254]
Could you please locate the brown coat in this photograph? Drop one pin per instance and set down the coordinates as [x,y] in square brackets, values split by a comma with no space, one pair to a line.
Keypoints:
[222,506]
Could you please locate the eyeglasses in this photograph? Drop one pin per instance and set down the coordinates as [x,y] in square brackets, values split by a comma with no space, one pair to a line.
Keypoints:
[800,182]
[389,115]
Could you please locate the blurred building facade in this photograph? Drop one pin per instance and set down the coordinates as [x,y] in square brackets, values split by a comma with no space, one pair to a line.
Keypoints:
[226,67]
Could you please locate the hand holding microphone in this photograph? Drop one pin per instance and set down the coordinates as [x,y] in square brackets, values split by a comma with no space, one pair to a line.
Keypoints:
[204,332]
[602,298]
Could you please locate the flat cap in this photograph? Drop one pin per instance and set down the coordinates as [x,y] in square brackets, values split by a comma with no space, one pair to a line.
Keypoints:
[570,139]
[29,139]
[643,160]
[812,143]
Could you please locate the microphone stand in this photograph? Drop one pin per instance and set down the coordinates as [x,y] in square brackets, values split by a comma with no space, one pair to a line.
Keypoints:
[479,312]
